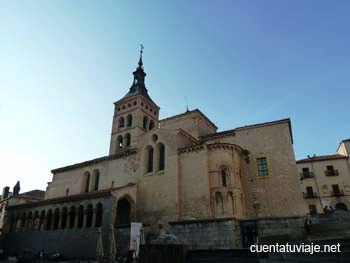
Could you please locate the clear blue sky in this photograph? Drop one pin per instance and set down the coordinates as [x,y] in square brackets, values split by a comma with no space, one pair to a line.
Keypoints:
[64,63]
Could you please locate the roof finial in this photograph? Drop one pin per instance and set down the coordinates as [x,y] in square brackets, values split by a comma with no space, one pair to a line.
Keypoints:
[140,60]
[187,110]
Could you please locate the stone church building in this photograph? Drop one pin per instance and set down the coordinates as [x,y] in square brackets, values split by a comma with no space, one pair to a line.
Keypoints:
[202,185]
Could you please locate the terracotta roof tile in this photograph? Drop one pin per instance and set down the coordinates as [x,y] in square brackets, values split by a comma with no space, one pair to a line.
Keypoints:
[322,158]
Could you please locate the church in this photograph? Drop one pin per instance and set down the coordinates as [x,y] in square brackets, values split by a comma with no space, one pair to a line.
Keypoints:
[211,189]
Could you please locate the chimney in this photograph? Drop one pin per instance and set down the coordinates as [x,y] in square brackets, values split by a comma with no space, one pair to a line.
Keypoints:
[5,192]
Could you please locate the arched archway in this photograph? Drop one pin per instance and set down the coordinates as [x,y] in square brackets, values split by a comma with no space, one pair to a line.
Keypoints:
[71,217]
[80,216]
[89,215]
[124,211]
[48,220]
[341,206]
[99,214]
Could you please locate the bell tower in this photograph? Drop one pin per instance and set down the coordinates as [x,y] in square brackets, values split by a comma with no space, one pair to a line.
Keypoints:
[134,114]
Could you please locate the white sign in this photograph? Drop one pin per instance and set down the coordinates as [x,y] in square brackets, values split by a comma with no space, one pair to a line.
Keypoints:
[135,235]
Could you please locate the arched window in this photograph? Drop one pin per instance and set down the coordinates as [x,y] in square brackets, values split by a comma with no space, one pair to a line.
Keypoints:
[99,213]
[151,124]
[67,191]
[161,150]
[120,142]
[219,203]
[127,139]
[150,159]
[96,179]
[121,122]
[129,120]
[145,122]
[225,176]
[86,182]
[89,216]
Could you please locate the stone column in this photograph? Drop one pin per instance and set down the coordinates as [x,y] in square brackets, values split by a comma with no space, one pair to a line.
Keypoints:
[60,220]
[76,220]
[85,218]
[93,217]
[42,224]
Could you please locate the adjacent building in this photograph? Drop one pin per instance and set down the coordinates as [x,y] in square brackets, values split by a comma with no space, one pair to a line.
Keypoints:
[325,180]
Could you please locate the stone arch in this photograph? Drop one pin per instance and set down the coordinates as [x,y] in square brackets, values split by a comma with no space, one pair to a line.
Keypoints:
[48,220]
[29,224]
[129,120]
[36,220]
[80,216]
[127,139]
[71,217]
[23,222]
[56,218]
[64,215]
[225,177]
[219,203]
[95,180]
[85,182]
[99,215]
[120,142]
[42,220]
[341,206]
[89,215]
[121,122]
[18,222]
[125,211]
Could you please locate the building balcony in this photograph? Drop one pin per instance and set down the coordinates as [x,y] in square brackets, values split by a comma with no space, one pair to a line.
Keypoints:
[331,172]
[337,193]
[310,195]
[304,175]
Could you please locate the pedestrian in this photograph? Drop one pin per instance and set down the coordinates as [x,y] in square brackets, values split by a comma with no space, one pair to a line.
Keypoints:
[325,210]
[307,226]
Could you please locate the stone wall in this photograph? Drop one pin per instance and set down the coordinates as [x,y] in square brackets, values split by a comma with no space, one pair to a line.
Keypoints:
[208,234]
[281,229]
[225,233]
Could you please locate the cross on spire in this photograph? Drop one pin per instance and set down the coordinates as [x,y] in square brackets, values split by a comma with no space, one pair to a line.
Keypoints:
[140,60]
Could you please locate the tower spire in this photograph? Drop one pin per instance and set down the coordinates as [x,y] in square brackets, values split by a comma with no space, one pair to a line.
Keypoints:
[138,86]
[140,60]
